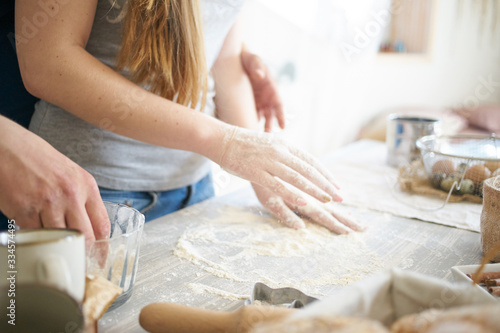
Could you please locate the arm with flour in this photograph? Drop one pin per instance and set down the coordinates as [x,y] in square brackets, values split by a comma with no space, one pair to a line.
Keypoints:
[235,105]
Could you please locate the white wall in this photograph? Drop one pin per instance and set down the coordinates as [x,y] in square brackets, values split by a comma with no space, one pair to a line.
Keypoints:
[329,95]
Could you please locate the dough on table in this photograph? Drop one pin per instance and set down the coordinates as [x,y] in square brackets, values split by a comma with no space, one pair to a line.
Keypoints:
[322,325]
[466,319]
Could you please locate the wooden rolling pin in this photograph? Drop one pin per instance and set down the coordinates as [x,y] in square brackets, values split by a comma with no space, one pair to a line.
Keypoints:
[170,318]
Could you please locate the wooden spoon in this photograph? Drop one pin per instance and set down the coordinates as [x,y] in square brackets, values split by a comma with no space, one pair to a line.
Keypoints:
[170,317]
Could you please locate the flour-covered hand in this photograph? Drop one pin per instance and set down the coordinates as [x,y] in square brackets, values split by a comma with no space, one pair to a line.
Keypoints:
[273,164]
[327,215]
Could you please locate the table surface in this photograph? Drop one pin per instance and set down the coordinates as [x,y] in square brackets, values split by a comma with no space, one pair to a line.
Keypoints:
[410,244]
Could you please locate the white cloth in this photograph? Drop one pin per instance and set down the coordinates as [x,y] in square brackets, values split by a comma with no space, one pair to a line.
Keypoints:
[393,294]
[367,181]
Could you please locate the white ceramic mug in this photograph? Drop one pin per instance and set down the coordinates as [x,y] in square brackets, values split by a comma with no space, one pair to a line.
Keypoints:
[39,308]
[54,257]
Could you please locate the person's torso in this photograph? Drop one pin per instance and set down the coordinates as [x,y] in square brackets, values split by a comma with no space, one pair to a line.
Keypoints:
[118,162]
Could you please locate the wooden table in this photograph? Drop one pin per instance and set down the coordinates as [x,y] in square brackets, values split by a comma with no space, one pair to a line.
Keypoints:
[411,244]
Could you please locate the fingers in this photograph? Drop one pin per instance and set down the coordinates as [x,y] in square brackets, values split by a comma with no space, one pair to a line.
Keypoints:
[278,208]
[260,114]
[322,217]
[265,90]
[268,126]
[308,179]
[280,114]
[293,200]
[279,189]
[271,113]
[257,70]
[77,218]
[98,218]
[311,160]
[259,73]
[285,213]
[52,217]
[87,212]
[26,218]
[344,217]
[333,218]
[96,210]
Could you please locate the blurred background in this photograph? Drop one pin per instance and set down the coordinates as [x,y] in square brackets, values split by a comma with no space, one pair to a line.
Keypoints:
[343,65]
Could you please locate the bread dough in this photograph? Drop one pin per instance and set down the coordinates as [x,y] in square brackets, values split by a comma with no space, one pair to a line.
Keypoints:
[322,325]
[466,319]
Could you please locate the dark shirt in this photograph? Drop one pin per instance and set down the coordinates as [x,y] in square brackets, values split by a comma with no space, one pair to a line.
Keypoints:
[15,102]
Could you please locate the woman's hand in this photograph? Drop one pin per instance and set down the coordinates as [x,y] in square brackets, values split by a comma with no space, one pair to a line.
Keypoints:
[333,218]
[265,90]
[270,163]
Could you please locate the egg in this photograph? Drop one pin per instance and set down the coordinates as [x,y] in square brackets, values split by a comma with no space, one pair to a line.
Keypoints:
[477,173]
[447,184]
[467,187]
[496,173]
[435,179]
[443,166]
[493,166]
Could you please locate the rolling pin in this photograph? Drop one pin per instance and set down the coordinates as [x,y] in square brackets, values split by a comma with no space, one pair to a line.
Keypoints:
[171,317]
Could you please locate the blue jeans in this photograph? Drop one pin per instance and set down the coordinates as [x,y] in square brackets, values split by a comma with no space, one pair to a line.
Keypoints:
[156,204]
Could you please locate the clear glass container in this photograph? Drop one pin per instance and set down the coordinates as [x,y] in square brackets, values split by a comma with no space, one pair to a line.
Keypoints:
[116,258]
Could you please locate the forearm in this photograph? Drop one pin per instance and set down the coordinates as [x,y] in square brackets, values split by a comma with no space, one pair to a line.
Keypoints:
[56,67]
[93,92]
[234,98]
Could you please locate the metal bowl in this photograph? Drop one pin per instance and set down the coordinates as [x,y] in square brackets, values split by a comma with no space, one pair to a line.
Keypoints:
[460,163]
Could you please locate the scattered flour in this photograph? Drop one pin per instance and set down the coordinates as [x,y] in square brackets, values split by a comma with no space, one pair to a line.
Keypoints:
[244,246]
[198,288]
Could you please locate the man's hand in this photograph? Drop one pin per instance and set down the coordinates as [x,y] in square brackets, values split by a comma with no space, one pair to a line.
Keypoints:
[40,187]
[265,90]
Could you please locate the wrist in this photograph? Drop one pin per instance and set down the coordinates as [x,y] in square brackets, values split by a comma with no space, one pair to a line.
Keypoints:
[226,142]
[212,140]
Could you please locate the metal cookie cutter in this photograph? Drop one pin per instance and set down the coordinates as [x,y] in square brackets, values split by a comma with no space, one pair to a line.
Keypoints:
[290,297]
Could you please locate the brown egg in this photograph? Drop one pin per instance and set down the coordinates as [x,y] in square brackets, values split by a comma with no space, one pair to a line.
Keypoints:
[493,166]
[443,166]
[477,173]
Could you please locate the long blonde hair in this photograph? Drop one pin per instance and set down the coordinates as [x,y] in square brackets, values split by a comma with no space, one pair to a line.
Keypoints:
[163,47]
